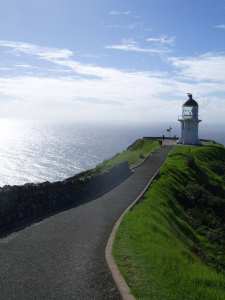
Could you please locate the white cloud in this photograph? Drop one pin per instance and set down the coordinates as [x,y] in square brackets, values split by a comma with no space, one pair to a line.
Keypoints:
[209,67]
[118,13]
[92,92]
[42,52]
[119,95]
[26,66]
[5,68]
[99,93]
[130,26]
[132,46]
[164,40]
[220,26]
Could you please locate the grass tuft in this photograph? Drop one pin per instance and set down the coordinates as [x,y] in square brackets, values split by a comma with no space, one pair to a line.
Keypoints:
[134,154]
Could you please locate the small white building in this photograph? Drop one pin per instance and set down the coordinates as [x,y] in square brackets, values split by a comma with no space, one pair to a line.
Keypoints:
[189,122]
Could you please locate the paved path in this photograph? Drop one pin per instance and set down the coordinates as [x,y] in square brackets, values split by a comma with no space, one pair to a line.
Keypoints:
[169,142]
[62,257]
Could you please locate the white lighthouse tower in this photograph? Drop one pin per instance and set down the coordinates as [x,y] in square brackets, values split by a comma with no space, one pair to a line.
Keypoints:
[189,122]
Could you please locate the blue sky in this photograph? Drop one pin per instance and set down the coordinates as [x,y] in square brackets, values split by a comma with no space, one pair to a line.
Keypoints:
[108,60]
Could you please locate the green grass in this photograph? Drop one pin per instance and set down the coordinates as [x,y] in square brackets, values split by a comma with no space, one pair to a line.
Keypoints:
[134,154]
[171,245]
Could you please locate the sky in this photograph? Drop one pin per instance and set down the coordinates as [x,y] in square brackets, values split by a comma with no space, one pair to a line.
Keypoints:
[111,60]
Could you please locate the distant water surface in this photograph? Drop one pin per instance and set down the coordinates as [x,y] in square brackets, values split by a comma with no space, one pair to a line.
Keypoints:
[37,152]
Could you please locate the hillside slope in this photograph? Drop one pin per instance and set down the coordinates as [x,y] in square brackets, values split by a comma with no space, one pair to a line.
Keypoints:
[23,205]
[171,245]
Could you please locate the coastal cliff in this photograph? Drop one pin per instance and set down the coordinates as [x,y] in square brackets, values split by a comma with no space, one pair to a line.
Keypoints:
[23,205]
[20,205]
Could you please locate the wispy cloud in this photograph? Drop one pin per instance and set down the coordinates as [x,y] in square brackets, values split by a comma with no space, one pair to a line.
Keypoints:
[132,46]
[5,68]
[129,26]
[60,57]
[42,52]
[220,26]
[26,66]
[209,67]
[119,13]
[74,97]
[164,40]
[93,92]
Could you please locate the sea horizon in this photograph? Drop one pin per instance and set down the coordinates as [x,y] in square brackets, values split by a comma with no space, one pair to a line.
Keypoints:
[34,151]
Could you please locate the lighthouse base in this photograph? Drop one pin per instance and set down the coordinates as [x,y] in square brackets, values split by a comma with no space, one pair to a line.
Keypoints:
[189,131]
[196,143]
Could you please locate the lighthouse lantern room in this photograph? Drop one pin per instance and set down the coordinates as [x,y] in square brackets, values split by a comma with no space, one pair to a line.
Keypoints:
[189,122]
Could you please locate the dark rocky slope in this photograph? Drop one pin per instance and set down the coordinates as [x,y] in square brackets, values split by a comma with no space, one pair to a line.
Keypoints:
[21,205]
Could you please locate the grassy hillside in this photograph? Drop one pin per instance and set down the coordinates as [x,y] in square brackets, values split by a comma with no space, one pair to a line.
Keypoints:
[134,154]
[171,246]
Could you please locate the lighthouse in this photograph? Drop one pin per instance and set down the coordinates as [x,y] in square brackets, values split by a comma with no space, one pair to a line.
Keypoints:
[189,122]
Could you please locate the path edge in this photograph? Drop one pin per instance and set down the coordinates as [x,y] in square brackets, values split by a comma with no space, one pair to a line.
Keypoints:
[116,274]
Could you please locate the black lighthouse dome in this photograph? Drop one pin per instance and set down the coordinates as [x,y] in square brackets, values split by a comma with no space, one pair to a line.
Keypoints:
[190,101]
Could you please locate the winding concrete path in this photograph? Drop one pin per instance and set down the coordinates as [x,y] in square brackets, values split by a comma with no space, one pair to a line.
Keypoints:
[62,257]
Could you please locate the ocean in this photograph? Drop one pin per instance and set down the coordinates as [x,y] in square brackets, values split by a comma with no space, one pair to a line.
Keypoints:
[32,151]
